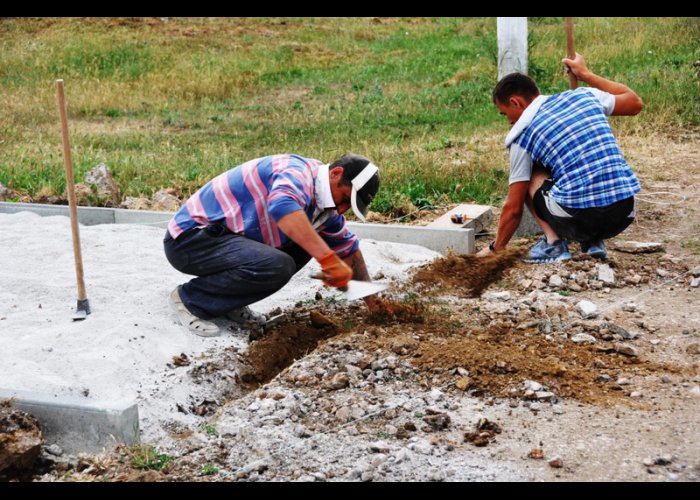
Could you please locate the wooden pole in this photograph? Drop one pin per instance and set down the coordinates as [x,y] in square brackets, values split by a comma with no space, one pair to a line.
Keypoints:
[83,305]
[570,50]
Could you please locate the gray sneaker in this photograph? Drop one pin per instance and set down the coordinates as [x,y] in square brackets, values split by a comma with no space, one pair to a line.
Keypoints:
[196,325]
[544,252]
[246,317]
[595,248]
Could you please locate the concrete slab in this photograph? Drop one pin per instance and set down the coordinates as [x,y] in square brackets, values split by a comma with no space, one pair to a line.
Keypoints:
[477,217]
[460,240]
[441,240]
[79,425]
[528,225]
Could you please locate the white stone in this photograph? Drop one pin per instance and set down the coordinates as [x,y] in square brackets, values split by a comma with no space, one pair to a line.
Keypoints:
[586,308]
[583,338]
[606,274]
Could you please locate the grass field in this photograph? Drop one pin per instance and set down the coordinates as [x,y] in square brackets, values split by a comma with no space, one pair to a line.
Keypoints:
[171,102]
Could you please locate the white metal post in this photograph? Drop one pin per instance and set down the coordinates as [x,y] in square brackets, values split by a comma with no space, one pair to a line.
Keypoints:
[512,45]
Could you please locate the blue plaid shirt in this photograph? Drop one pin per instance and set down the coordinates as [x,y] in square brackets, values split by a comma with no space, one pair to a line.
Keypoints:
[570,136]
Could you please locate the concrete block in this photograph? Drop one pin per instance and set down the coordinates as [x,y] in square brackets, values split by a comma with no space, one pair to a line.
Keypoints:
[528,225]
[87,216]
[79,425]
[459,240]
[478,218]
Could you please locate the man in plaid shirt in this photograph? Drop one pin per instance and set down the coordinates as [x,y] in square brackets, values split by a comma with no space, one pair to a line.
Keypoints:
[249,230]
[565,163]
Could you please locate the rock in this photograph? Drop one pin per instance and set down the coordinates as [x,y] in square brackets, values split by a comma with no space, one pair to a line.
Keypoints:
[54,450]
[165,200]
[6,193]
[661,272]
[695,272]
[635,279]
[462,383]
[586,308]
[629,307]
[627,350]
[695,282]
[497,296]
[132,203]
[403,455]
[379,447]
[105,188]
[555,281]
[556,463]
[583,338]
[693,349]
[339,381]
[536,453]
[606,274]
[617,330]
[636,246]
[20,440]
[545,396]
[532,385]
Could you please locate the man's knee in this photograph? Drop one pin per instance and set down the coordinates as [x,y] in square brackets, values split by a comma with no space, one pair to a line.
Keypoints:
[286,268]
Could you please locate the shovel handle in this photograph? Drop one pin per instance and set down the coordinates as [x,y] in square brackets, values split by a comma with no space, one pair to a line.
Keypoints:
[570,50]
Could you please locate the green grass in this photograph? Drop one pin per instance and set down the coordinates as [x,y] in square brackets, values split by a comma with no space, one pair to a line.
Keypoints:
[147,458]
[173,102]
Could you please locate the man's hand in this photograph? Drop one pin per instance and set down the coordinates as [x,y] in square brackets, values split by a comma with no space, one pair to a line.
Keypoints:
[335,272]
[484,252]
[577,66]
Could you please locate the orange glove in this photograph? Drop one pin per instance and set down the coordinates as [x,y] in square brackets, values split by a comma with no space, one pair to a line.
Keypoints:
[335,272]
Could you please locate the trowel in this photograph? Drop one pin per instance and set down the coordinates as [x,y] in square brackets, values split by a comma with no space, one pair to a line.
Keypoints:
[356,289]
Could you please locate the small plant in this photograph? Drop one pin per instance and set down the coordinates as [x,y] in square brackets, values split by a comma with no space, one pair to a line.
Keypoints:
[692,245]
[147,458]
[209,470]
[418,414]
[564,293]
[209,430]
[383,435]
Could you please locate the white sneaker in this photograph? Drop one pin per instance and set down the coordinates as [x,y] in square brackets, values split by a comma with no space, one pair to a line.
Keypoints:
[197,325]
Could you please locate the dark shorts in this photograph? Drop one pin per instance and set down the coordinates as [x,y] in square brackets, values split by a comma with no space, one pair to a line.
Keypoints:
[583,224]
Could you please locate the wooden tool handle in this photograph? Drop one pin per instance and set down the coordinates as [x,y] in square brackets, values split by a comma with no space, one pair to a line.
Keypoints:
[570,50]
[70,187]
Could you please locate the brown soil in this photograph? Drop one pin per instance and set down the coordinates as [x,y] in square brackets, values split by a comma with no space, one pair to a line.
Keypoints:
[468,274]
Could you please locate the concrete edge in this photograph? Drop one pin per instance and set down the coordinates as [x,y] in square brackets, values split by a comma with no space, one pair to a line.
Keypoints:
[79,425]
[459,240]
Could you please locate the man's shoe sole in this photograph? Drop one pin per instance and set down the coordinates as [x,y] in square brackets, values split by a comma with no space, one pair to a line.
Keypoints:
[560,258]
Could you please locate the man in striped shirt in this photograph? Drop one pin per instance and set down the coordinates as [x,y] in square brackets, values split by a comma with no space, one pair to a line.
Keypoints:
[565,163]
[249,230]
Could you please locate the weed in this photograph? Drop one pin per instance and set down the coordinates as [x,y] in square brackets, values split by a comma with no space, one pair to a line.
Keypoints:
[147,458]
[209,470]
[209,429]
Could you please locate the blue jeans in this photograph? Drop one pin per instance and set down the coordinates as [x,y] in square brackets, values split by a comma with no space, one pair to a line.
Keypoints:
[232,270]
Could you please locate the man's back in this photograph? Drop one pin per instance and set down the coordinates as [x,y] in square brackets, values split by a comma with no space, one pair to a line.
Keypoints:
[570,136]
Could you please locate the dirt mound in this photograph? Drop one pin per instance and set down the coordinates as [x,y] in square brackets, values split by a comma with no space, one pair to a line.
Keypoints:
[297,335]
[20,442]
[468,273]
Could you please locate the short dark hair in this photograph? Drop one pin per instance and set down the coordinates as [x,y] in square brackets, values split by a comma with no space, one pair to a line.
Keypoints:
[368,183]
[515,84]
[352,165]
